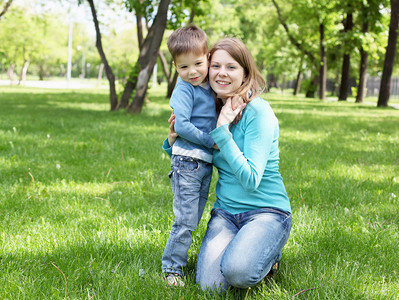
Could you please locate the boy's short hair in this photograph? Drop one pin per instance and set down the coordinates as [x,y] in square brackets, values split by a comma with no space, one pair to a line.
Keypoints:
[189,39]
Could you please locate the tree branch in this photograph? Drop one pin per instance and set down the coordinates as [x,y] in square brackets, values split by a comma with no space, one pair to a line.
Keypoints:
[107,67]
[5,8]
[291,38]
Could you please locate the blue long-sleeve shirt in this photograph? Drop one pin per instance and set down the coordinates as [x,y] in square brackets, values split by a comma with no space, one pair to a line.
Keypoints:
[195,117]
[248,162]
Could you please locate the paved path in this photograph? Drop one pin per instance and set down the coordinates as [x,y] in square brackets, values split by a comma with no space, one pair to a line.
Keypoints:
[82,84]
[58,84]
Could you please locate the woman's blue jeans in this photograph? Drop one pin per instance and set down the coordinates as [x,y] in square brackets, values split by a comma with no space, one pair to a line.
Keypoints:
[239,250]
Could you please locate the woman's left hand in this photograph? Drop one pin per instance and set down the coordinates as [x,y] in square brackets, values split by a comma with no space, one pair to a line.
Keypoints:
[227,114]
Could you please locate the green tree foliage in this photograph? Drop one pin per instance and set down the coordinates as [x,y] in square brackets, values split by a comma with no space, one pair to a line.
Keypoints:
[38,39]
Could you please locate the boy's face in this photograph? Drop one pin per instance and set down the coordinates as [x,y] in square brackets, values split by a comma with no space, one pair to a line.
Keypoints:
[192,68]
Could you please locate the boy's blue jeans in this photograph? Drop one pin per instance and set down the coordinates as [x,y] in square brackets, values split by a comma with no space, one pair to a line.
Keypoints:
[190,180]
[240,249]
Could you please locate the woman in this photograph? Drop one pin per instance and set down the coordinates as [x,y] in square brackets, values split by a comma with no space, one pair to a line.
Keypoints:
[251,218]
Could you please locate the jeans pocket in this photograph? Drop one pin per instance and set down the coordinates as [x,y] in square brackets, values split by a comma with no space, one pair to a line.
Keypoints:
[188,164]
[277,211]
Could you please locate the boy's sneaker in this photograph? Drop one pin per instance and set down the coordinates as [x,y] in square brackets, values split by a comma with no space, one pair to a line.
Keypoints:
[174,280]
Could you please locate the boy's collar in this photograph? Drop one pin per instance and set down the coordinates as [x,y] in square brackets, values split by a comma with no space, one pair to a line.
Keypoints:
[205,85]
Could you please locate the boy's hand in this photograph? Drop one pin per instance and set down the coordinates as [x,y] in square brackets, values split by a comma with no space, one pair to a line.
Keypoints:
[172,136]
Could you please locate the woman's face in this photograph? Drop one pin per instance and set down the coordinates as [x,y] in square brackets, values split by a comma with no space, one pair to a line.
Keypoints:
[225,74]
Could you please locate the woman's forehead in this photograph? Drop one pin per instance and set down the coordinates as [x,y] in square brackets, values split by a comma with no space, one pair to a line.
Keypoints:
[223,56]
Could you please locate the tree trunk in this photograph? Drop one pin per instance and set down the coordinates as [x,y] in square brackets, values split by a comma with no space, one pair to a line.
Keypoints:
[311,90]
[298,81]
[334,89]
[139,25]
[11,73]
[148,56]
[164,64]
[6,6]
[100,74]
[172,84]
[171,80]
[42,71]
[343,90]
[108,71]
[363,65]
[323,65]
[24,70]
[361,89]
[129,87]
[141,88]
[385,87]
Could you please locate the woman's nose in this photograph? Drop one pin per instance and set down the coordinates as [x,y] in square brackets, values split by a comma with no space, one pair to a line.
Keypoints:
[222,72]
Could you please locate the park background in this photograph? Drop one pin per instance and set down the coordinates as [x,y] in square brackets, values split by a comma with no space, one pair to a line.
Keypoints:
[85,201]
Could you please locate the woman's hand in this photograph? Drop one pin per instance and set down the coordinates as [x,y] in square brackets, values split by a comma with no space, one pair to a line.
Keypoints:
[172,136]
[236,102]
[228,114]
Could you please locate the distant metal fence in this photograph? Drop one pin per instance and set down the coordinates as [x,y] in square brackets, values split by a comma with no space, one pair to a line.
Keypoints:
[372,86]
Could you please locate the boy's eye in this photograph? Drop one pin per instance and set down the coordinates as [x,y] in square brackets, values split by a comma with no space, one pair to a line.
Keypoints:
[183,67]
[199,63]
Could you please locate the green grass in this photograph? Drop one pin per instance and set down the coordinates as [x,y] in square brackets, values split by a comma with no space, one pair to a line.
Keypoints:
[85,193]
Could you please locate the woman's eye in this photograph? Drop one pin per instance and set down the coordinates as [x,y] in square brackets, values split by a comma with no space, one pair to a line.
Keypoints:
[232,67]
[215,66]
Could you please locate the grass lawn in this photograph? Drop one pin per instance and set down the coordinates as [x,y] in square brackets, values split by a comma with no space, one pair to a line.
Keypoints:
[85,201]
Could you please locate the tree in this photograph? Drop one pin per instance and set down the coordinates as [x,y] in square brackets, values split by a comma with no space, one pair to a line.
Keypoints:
[141,72]
[108,70]
[371,19]
[5,8]
[363,59]
[348,26]
[28,39]
[317,11]
[385,87]
[147,59]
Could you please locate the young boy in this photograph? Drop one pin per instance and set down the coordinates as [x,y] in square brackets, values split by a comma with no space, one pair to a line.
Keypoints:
[191,161]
